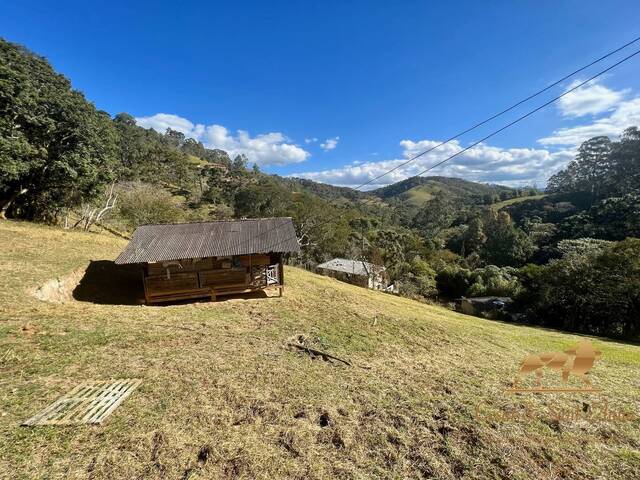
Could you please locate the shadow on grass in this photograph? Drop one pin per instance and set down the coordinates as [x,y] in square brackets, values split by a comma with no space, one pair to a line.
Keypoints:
[106,283]
[243,296]
[546,328]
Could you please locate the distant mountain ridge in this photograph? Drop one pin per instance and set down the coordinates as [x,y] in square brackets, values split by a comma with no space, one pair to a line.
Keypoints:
[420,189]
[324,190]
[415,191]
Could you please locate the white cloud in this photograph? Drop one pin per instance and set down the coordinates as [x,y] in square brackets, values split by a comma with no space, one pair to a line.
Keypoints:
[591,99]
[625,114]
[161,121]
[483,163]
[330,143]
[265,149]
[610,112]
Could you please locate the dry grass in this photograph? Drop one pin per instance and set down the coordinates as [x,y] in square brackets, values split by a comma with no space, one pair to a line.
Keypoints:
[222,398]
[512,201]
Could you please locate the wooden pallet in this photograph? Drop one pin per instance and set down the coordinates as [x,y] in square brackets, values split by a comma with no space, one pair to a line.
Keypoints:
[89,402]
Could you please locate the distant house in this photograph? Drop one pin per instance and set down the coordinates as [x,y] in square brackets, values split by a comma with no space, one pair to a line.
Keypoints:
[356,272]
[484,306]
[210,259]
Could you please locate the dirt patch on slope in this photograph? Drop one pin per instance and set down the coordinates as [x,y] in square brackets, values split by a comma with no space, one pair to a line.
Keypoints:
[59,290]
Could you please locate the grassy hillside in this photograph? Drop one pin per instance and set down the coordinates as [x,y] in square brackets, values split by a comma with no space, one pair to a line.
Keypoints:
[419,190]
[513,201]
[419,195]
[223,398]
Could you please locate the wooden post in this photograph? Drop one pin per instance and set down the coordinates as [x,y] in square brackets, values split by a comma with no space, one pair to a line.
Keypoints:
[144,284]
[280,270]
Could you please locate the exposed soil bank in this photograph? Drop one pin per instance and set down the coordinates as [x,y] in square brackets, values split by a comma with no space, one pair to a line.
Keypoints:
[59,290]
[102,282]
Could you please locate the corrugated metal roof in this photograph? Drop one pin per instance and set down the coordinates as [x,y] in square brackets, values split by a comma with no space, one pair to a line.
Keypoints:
[155,243]
[356,267]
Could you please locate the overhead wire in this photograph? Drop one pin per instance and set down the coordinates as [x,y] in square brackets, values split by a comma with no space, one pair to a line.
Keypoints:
[502,112]
[508,125]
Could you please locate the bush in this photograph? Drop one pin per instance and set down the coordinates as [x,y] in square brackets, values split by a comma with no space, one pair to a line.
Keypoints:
[423,278]
[453,281]
[494,281]
[141,204]
[582,246]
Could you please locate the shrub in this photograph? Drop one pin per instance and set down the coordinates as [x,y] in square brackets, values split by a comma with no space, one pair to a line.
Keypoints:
[141,203]
[423,278]
[494,281]
[582,246]
[453,281]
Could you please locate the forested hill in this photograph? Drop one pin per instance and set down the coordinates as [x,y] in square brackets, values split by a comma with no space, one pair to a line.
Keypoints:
[418,190]
[325,191]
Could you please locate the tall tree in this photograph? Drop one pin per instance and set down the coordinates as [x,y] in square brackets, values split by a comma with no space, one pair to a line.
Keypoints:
[588,172]
[474,237]
[625,156]
[506,244]
[56,149]
[436,215]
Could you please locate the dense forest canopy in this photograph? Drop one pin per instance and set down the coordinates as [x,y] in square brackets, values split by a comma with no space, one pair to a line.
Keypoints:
[567,256]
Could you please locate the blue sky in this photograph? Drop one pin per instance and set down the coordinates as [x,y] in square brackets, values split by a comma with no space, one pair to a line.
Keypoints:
[340,91]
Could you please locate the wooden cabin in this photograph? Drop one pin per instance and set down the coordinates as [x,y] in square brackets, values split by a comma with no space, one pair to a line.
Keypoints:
[210,259]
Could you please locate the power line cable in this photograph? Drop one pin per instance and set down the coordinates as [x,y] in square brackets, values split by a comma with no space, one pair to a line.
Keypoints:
[495,132]
[528,114]
[493,117]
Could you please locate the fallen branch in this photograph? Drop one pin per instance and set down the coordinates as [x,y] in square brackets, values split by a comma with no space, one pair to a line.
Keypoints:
[313,352]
